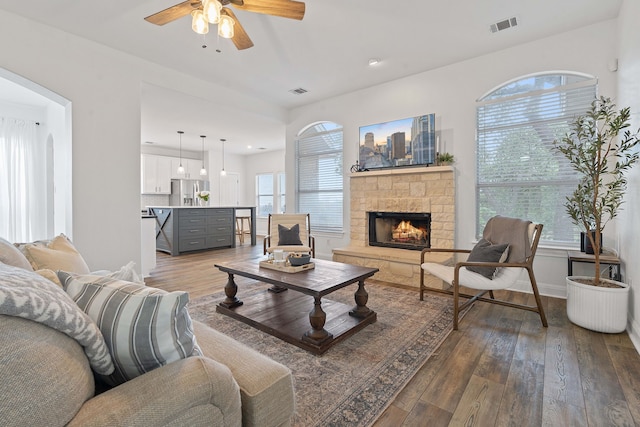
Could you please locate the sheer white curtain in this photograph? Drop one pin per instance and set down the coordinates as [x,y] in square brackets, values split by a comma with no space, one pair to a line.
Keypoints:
[23,181]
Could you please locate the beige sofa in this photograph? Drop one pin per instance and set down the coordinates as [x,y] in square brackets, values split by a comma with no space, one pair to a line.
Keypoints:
[46,380]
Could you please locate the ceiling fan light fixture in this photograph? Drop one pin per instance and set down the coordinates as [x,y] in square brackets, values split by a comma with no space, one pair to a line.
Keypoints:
[211,10]
[207,11]
[199,24]
[225,27]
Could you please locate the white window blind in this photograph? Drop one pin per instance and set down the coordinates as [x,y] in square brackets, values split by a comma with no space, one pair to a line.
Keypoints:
[264,194]
[519,174]
[319,176]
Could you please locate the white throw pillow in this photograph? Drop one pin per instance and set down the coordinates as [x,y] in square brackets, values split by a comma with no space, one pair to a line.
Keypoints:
[126,273]
[10,255]
[144,327]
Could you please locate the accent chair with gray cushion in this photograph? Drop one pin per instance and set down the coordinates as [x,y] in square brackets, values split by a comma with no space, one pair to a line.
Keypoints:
[290,233]
[506,250]
[53,357]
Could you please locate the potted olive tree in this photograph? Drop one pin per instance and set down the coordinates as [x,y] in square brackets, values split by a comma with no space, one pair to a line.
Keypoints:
[601,149]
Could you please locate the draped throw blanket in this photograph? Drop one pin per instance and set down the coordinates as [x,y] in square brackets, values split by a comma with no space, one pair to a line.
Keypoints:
[514,231]
[26,294]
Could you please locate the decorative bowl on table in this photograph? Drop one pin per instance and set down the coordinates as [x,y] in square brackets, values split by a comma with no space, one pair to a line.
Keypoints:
[297,260]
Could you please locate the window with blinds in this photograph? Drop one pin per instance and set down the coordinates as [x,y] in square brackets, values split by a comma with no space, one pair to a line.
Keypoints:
[319,177]
[519,174]
[264,194]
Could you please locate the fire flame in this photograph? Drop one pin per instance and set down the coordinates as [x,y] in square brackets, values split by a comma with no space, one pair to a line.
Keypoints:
[407,232]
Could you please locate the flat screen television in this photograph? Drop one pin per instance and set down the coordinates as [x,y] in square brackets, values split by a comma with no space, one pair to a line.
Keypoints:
[398,143]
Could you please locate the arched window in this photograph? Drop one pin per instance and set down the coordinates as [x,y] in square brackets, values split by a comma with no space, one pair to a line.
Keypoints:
[319,175]
[519,174]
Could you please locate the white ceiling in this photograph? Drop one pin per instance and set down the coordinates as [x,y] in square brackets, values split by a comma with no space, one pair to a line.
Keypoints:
[326,53]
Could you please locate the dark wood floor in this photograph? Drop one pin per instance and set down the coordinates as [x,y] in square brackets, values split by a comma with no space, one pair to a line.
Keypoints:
[501,368]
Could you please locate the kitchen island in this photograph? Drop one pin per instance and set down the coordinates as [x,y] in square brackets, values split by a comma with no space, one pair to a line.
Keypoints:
[181,229]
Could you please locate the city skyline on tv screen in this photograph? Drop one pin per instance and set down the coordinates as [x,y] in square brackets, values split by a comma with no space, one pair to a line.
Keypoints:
[398,143]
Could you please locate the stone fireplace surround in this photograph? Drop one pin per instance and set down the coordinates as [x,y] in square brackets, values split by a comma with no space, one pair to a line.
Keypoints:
[419,189]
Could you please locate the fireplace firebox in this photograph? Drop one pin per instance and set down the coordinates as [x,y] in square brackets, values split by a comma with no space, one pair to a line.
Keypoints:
[403,230]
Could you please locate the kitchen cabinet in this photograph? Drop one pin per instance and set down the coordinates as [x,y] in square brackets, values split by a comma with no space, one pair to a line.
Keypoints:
[148,235]
[191,168]
[183,229]
[155,174]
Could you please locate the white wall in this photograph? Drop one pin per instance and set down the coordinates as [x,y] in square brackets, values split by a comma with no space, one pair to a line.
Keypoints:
[58,125]
[629,95]
[20,111]
[451,92]
[104,88]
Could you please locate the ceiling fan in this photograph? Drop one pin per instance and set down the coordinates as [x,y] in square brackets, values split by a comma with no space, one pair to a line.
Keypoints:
[214,11]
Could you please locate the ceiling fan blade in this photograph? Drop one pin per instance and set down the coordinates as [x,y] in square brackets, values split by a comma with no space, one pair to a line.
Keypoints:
[285,8]
[174,12]
[240,37]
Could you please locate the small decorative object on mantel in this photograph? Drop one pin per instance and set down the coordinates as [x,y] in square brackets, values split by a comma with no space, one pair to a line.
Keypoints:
[445,159]
[356,168]
[203,197]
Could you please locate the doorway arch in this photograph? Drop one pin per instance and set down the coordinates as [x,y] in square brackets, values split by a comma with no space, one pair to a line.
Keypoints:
[24,99]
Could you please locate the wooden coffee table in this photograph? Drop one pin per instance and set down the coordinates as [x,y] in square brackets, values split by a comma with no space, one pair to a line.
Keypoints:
[286,314]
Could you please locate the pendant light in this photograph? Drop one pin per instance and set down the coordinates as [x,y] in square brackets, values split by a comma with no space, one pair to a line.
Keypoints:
[223,172]
[203,171]
[180,168]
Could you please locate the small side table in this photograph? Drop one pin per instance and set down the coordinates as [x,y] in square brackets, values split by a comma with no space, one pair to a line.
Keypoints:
[605,259]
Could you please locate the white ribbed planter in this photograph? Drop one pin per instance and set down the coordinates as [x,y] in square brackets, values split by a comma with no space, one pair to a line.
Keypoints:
[595,308]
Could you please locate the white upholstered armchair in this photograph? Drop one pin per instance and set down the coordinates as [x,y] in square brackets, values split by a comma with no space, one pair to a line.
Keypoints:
[289,232]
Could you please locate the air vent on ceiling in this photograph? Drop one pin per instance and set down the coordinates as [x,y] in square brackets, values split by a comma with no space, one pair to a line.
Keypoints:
[503,25]
[298,91]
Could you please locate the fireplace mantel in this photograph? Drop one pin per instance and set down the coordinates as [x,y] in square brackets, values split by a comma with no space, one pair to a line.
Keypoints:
[414,189]
[402,171]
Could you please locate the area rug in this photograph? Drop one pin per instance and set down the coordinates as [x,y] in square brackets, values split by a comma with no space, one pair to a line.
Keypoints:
[353,382]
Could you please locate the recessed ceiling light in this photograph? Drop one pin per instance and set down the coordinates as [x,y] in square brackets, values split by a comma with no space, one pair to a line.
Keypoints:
[374,61]
[248,146]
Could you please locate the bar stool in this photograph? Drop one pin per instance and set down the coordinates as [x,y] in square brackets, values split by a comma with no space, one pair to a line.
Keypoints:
[240,227]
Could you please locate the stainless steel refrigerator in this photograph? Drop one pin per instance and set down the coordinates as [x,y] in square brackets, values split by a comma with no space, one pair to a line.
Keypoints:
[183,191]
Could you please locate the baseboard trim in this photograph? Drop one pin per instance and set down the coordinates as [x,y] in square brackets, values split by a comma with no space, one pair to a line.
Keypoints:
[546,289]
[633,329]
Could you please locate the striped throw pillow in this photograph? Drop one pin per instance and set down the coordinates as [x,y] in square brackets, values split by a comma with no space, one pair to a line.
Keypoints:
[144,327]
